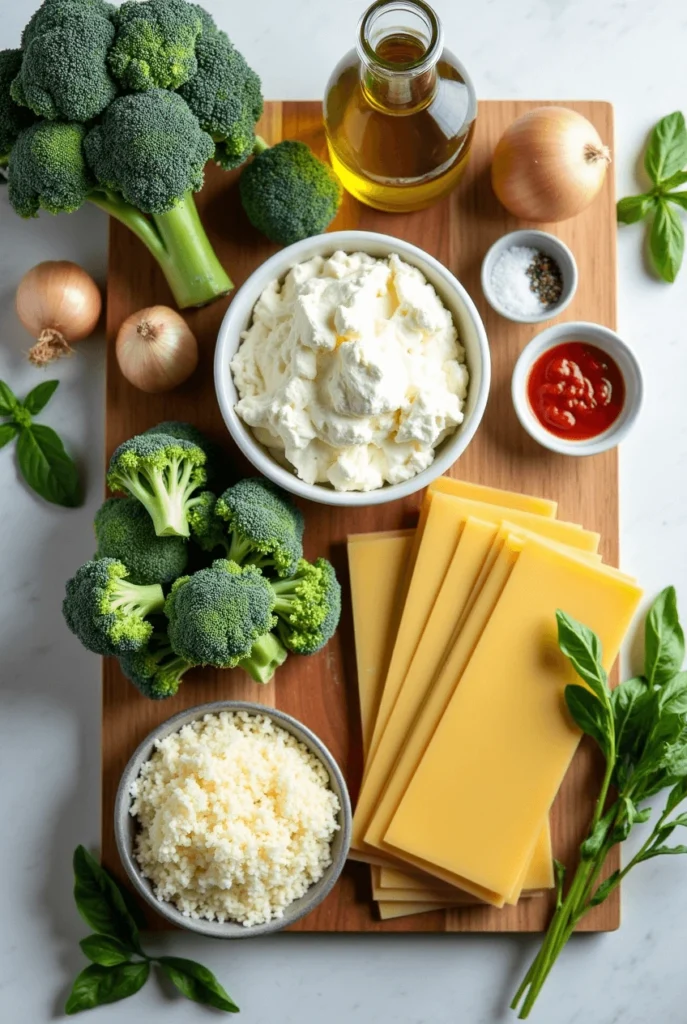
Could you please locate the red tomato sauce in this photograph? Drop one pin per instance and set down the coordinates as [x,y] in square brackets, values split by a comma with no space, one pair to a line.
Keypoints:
[576,390]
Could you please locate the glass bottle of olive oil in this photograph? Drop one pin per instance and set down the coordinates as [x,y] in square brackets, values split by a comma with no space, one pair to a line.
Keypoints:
[399,110]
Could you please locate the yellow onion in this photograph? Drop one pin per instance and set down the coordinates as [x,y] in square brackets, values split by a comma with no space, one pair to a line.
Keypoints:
[59,303]
[156,349]
[549,165]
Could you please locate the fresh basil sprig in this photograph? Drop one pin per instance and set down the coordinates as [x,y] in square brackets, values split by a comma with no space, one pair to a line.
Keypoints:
[664,161]
[119,966]
[42,460]
[641,729]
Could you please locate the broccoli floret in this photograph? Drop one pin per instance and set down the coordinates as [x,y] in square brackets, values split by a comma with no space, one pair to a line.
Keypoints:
[225,95]
[217,467]
[163,473]
[155,44]
[13,118]
[150,149]
[47,169]
[207,529]
[64,71]
[106,611]
[222,616]
[264,526]
[124,531]
[308,606]
[155,670]
[287,193]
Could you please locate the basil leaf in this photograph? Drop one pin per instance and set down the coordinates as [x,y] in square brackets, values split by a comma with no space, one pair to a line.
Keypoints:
[589,714]
[100,902]
[104,950]
[633,208]
[677,794]
[97,985]
[197,983]
[582,647]
[666,241]
[8,432]
[664,640]
[559,871]
[40,396]
[672,698]
[8,400]
[667,149]
[680,198]
[46,466]
[630,703]
[679,178]
[605,889]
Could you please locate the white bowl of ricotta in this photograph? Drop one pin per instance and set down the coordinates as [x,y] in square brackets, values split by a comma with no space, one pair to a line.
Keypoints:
[352,368]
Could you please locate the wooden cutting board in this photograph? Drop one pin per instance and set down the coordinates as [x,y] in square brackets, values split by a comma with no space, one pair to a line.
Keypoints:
[321,691]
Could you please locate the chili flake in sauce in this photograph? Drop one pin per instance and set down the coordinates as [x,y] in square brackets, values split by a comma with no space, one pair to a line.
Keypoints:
[576,390]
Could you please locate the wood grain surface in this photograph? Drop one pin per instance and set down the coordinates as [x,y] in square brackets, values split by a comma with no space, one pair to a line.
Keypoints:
[321,690]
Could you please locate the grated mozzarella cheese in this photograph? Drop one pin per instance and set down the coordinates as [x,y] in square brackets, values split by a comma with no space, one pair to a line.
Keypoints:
[237,819]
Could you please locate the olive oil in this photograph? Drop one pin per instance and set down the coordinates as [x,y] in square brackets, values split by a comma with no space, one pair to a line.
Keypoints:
[399,110]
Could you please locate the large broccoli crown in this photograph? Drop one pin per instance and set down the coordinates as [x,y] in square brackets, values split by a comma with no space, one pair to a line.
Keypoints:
[217,467]
[155,44]
[64,71]
[225,95]
[47,169]
[13,118]
[288,194]
[124,530]
[308,606]
[106,611]
[218,614]
[265,526]
[163,473]
[150,149]
[155,670]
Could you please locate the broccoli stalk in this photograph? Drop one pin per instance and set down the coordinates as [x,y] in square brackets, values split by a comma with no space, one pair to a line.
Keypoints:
[266,655]
[177,240]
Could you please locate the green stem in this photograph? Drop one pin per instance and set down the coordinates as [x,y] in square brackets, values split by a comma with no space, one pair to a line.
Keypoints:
[260,146]
[178,241]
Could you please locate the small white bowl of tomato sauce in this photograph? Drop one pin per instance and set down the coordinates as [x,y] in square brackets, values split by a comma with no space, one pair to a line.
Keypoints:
[577,388]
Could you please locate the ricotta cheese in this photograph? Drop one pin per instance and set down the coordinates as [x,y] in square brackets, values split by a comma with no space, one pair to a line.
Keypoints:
[237,818]
[351,371]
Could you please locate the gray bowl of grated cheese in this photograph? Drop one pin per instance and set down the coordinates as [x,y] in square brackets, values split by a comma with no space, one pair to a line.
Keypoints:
[232,820]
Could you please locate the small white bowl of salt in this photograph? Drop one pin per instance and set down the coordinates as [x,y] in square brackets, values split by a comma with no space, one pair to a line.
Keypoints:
[529,276]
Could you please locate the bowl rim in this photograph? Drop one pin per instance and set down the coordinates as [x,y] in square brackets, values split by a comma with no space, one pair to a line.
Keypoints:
[123,821]
[276,267]
[609,341]
[520,237]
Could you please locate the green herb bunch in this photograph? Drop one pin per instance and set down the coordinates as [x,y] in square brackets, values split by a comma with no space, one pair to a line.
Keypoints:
[119,967]
[641,729]
[665,161]
[42,460]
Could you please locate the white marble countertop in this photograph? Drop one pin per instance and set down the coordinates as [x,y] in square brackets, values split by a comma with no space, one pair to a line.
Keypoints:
[631,52]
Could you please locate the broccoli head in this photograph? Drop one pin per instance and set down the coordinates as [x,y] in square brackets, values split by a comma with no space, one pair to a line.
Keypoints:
[264,526]
[207,529]
[155,44]
[163,473]
[13,118]
[106,611]
[150,149]
[47,169]
[225,95]
[64,74]
[288,194]
[222,616]
[124,531]
[217,467]
[308,606]
[155,670]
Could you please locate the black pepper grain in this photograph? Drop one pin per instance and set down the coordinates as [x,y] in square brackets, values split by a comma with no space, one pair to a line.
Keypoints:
[546,280]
